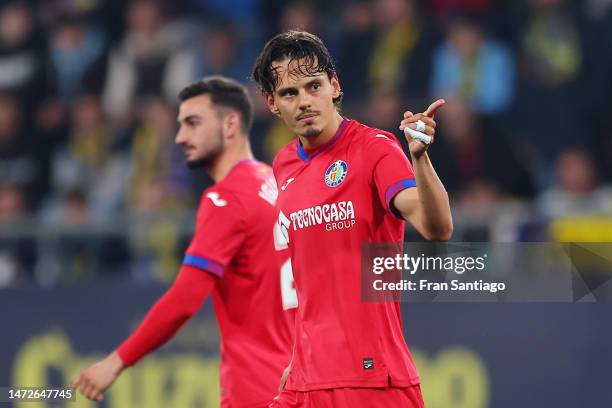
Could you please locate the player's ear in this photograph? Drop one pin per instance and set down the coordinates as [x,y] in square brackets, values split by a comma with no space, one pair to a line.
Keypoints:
[231,124]
[272,105]
[335,83]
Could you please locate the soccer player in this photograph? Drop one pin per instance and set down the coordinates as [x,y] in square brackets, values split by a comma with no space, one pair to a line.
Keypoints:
[344,184]
[232,255]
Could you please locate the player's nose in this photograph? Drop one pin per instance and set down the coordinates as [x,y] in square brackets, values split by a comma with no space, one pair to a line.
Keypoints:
[305,100]
[180,137]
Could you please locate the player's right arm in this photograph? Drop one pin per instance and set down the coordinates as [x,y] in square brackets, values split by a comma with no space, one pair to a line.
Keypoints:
[182,300]
[218,236]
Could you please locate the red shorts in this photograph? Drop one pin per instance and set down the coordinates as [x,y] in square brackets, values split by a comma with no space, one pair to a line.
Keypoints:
[351,398]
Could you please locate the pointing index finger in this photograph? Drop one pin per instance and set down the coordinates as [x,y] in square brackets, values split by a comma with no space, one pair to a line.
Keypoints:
[431,110]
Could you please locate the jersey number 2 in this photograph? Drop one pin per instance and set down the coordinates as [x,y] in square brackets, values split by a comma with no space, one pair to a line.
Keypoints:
[288,292]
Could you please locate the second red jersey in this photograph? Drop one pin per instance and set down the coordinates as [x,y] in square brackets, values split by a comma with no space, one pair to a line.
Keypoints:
[331,201]
[234,241]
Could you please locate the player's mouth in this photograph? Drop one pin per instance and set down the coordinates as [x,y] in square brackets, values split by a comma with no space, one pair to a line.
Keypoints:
[308,117]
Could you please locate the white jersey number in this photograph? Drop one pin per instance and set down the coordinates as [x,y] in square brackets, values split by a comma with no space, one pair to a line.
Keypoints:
[281,241]
[288,292]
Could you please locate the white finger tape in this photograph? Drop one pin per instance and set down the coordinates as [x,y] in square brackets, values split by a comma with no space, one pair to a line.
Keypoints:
[421,137]
[420,126]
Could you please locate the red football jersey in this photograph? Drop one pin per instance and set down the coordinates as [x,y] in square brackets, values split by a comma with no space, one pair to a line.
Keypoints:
[234,241]
[331,201]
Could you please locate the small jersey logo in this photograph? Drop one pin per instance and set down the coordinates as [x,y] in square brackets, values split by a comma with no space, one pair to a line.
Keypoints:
[216,200]
[336,173]
[368,363]
[289,180]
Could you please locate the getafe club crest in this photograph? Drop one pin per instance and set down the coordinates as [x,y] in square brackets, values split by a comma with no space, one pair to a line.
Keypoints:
[336,173]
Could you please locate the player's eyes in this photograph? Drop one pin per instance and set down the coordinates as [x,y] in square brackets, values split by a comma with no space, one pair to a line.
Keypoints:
[316,86]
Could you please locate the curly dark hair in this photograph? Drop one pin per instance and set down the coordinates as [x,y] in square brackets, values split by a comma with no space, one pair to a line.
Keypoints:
[293,45]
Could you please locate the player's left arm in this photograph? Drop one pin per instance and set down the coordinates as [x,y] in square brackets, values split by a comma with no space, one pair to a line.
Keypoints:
[427,206]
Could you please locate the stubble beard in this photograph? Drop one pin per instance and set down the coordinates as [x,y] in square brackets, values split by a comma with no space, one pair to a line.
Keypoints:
[209,157]
[311,132]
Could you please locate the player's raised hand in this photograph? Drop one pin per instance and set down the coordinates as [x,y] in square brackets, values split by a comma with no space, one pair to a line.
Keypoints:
[420,129]
[93,381]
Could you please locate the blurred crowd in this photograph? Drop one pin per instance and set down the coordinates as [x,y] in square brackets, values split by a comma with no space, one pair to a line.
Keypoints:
[88,113]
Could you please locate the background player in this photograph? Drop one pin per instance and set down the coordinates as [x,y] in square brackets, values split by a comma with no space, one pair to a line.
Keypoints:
[231,255]
[344,184]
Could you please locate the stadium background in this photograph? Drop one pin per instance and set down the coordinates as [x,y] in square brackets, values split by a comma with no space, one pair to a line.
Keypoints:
[96,205]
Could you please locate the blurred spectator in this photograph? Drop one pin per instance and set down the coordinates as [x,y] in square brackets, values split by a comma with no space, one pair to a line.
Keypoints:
[52,11]
[16,252]
[93,160]
[238,11]
[355,45]
[320,16]
[147,62]
[101,14]
[604,151]
[157,161]
[479,197]
[474,67]
[398,33]
[75,209]
[275,138]
[20,161]
[267,136]
[560,98]
[383,45]
[154,236]
[443,8]
[160,191]
[149,201]
[13,207]
[601,86]
[598,9]
[220,50]
[76,52]
[476,207]
[551,47]
[384,110]
[577,189]
[221,43]
[22,55]
[82,249]
[298,15]
[466,151]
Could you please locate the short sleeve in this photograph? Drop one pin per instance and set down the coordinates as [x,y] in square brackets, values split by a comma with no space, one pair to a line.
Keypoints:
[390,168]
[219,233]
